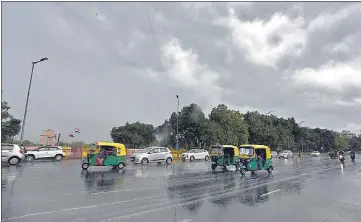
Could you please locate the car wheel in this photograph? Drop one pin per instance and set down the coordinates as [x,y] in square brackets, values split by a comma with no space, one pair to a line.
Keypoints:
[191,158]
[206,158]
[169,161]
[85,166]
[14,160]
[30,158]
[120,166]
[58,157]
[145,161]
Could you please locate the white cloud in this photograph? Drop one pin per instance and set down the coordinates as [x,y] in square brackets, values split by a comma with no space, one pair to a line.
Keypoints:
[332,75]
[183,69]
[254,37]
[344,46]
[326,20]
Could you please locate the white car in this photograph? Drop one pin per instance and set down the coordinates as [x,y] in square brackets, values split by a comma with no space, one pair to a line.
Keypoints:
[316,154]
[195,154]
[45,152]
[12,154]
[274,154]
[152,155]
[285,154]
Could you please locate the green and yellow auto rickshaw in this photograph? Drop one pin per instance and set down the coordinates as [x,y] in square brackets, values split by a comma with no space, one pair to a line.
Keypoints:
[106,154]
[224,155]
[254,158]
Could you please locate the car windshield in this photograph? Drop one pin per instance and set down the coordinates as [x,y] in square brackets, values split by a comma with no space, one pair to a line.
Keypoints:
[192,151]
[284,151]
[246,151]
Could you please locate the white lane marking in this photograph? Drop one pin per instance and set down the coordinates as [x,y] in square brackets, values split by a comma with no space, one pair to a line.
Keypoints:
[186,220]
[115,191]
[160,208]
[274,191]
[309,179]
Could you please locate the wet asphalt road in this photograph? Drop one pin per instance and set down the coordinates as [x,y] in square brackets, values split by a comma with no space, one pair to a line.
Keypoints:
[310,189]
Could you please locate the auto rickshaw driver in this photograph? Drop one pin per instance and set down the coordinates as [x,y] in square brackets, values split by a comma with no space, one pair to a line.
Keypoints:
[103,154]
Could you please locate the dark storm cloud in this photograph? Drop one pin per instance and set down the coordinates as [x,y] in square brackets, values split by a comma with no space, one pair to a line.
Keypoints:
[105,54]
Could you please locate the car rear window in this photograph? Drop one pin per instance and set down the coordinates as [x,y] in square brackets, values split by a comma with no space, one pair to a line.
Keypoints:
[7,147]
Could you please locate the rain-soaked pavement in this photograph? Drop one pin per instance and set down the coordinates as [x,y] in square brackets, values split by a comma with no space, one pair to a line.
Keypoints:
[310,189]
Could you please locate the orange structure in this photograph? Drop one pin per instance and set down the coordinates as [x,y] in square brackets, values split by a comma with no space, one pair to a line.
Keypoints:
[48,138]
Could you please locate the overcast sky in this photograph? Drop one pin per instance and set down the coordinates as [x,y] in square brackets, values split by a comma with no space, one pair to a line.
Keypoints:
[299,60]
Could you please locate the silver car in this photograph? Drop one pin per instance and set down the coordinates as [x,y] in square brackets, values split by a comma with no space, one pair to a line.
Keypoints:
[152,155]
[285,154]
[12,154]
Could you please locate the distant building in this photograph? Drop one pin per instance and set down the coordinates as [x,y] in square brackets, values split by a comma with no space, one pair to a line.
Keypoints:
[48,138]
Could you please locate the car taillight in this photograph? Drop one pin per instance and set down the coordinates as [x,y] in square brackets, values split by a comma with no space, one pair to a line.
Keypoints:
[21,151]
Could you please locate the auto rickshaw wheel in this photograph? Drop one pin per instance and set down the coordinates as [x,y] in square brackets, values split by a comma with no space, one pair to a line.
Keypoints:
[120,166]
[242,171]
[270,169]
[214,166]
[85,166]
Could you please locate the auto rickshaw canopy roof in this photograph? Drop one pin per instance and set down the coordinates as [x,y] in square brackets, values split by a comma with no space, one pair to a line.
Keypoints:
[256,147]
[235,148]
[121,150]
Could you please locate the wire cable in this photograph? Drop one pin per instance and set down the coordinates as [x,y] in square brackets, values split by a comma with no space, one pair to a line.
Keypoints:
[155,40]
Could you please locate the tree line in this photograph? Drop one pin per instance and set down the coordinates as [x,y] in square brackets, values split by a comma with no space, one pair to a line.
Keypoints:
[227,126]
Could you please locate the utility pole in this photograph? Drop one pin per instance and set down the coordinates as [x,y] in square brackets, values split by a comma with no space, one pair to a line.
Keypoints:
[177,134]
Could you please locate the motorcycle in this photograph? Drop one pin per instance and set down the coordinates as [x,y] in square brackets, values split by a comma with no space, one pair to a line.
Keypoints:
[352,155]
[341,158]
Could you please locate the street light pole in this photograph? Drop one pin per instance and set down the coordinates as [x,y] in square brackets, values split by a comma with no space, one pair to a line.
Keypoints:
[268,125]
[302,138]
[177,134]
[27,98]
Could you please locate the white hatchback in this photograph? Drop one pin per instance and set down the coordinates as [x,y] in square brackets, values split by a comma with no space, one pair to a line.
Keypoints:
[12,154]
[195,154]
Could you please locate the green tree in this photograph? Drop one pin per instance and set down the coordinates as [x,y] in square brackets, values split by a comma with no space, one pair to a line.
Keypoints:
[211,133]
[190,119]
[10,126]
[233,127]
[134,134]
[341,142]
